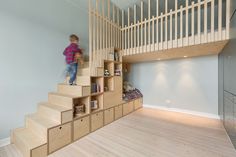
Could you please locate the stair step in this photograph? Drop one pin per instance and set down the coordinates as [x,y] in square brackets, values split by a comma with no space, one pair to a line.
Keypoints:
[29,143]
[39,124]
[83,71]
[56,113]
[80,80]
[60,99]
[73,90]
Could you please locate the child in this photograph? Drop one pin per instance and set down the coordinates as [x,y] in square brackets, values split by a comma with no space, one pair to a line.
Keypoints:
[72,54]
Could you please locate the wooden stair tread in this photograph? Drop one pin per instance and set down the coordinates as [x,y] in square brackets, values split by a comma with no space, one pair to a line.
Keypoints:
[44,122]
[54,107]
[29,139]
[65,84]
[63,95]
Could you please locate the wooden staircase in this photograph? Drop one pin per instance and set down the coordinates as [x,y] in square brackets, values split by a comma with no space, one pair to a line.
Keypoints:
[55,125]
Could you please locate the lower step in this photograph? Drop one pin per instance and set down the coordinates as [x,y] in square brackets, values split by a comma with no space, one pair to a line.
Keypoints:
[29,144]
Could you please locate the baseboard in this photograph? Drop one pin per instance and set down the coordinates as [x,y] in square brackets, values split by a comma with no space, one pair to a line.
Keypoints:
[5,142]
[195,113]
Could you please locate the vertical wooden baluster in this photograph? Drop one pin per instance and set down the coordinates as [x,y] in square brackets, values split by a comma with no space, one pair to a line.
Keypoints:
[199,21]
[157,26]
[141,27]
[171,29]
[131,40]
[138,46]
[145,35]
[118,18]
[176,24]
[166,23]
[205,22]
[128,31]
[181,26]
[104,25]
[220,20]
[227,18]
[149,25]
[135,41]
[213,20]
[192,31]
[125,41]
[90,36]
[123,22]
[153,33]
[186,26]
[161,47]
[109,27]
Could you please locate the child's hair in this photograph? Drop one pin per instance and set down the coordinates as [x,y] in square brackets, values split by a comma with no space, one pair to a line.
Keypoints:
[74,37]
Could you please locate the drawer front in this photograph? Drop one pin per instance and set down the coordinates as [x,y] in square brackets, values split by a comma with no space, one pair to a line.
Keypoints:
[137,104]
[96,121]
[131,106]
[108,116]
[59,137]
[126,109]
[118,112]
[81,127]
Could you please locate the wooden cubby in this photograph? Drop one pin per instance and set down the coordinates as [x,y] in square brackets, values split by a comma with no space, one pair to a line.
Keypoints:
[108,84]
[79,101]
[109,65]
[99,99]
[118,69]
[97,85]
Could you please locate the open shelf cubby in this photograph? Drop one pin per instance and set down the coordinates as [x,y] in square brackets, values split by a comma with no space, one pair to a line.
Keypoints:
[96,102]
[81,106]
[117,69]
[108,84]
[109,67]
[97,85]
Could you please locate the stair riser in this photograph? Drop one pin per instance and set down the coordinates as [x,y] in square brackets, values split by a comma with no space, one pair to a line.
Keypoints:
[84,72]
[36,128]
[80,80]
[40,151]
[61,101]
[49,113]
[74,90]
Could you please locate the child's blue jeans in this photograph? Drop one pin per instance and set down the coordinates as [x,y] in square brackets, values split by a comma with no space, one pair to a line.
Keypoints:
[72,71]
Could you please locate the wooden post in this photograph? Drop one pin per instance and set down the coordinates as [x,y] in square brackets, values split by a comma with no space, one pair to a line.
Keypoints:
[176,23]
[135,40]
[220,20]
[166,23]
[227,18]
[171,27]
[149,25]
[181,26]
[193,18]
[213,20]
[205,22]
[157,25]
[199,21]
[141,26]
[187,32]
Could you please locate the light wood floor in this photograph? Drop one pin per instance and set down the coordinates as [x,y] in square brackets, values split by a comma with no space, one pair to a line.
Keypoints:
[150,133]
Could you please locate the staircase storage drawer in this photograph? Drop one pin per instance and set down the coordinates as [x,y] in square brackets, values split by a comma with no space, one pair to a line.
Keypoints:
[138,103]
[96,121]
[59,137]
[81,127]
[108,116]
[128,108]
[118,112]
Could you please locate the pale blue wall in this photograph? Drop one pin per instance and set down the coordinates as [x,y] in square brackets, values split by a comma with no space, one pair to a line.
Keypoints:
[33,35]
[188,84]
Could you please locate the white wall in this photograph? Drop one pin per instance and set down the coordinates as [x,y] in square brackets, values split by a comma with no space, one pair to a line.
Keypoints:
[188,84]
[33,35]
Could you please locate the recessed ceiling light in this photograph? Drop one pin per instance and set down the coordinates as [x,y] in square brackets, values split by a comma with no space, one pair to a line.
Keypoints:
[158,59]
[185,56]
